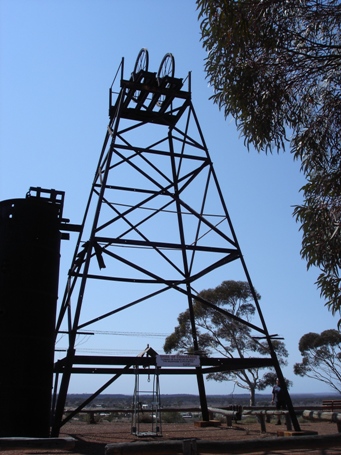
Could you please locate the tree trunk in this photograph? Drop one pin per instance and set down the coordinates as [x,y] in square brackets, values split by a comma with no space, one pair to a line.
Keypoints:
[252,396]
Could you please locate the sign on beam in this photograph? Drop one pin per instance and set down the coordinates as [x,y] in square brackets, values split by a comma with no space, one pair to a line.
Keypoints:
[177,360]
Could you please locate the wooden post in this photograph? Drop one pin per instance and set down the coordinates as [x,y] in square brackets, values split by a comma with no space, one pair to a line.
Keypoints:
[288,422]
[229,421]
[262,423]
[92,418]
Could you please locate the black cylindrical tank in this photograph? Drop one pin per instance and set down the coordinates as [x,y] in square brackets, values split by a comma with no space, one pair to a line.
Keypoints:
[29,269]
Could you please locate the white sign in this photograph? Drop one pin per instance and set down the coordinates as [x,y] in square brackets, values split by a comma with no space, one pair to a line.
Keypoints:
[178,360]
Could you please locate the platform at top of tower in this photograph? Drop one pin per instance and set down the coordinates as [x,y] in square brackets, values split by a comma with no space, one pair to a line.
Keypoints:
[149,98]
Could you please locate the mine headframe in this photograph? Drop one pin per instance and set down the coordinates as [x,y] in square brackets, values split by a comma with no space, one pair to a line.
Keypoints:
[155,224]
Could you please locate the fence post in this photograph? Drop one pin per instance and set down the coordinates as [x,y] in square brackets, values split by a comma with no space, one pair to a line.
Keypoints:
[262,423]
[229,421]
[288,421]
[92,417]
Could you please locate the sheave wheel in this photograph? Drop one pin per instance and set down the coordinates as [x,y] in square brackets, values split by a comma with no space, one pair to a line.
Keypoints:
[142,61]
[167,66]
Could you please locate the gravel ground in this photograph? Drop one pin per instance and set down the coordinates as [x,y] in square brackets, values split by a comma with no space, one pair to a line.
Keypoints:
[91,439]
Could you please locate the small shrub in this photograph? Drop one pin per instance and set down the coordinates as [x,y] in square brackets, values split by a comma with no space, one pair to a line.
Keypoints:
[172,417]
[92,417]
[249,419]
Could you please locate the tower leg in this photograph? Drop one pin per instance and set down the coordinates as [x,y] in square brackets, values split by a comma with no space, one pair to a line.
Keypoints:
[61,400]
[202,395]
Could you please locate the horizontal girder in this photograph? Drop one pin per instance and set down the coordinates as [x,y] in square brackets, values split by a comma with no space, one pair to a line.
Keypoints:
[100,365]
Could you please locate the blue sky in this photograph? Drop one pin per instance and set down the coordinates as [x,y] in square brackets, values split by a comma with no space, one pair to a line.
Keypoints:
[58,59]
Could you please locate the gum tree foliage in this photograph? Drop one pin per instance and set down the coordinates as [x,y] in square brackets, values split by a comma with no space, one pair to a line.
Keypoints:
[223,337]
[321,358]
[275,66]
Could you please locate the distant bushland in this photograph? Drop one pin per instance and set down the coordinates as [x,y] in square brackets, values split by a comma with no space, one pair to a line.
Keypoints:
[121,401]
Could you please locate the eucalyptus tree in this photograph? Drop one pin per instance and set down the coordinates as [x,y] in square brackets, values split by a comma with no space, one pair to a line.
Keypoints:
[321,358]
[219,335]
[275,66]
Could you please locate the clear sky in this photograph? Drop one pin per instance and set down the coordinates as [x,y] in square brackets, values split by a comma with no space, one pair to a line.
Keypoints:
[58,59]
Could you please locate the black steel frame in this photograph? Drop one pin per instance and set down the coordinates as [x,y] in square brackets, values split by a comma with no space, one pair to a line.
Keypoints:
[141,103]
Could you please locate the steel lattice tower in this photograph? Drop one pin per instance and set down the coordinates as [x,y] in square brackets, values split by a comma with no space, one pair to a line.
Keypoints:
[155,223]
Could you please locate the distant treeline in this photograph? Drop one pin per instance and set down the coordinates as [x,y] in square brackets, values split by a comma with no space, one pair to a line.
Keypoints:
[124,401]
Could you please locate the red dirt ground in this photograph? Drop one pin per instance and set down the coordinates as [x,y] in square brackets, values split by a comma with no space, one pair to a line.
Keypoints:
[91,439]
